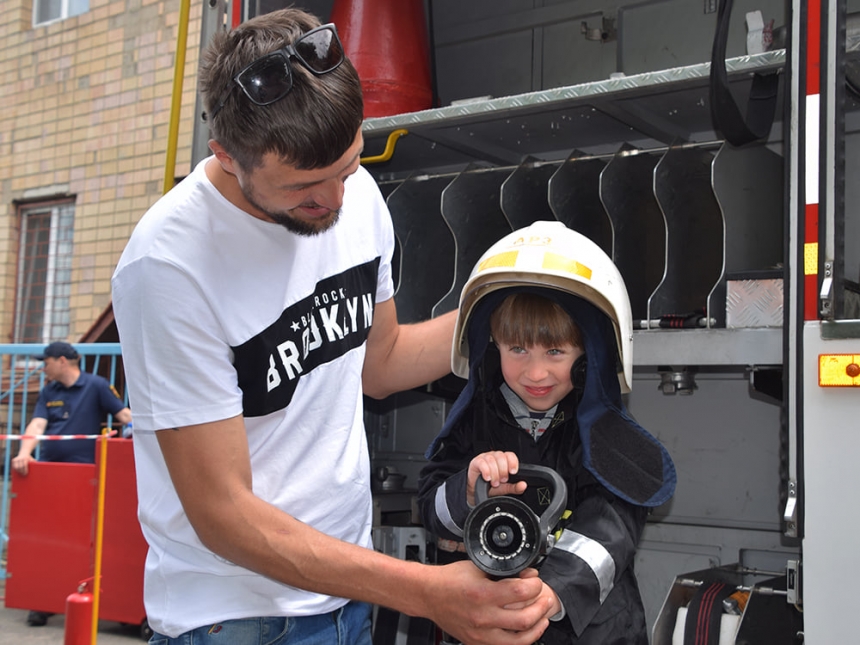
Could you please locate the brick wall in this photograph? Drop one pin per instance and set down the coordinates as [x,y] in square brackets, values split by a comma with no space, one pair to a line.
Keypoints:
[84,112]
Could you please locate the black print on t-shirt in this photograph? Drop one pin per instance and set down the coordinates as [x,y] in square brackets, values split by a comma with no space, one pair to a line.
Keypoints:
[325,325]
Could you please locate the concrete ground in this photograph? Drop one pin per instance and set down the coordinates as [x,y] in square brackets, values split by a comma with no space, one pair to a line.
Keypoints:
[15,631]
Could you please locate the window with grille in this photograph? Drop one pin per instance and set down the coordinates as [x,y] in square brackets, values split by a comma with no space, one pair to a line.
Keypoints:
[45,11]
[44,273]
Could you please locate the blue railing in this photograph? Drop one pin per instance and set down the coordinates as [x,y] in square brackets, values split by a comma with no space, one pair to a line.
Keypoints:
[21,379]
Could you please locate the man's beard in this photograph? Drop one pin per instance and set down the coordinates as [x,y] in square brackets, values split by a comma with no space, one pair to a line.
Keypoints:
[301,227]
[292,224]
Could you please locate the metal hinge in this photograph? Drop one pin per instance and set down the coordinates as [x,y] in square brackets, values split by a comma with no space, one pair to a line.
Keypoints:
[825,297]
[790,513]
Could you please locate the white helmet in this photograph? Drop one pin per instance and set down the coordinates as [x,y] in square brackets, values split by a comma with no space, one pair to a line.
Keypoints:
[548,254]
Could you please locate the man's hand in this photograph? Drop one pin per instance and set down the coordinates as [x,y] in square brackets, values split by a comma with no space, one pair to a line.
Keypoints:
[479,611]
[495,467]
[21,464]
[546,591]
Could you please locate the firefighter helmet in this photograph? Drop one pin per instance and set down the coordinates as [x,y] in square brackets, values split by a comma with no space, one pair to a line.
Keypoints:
[548,254]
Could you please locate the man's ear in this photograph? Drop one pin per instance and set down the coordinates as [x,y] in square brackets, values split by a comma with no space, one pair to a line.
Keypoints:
[222,156]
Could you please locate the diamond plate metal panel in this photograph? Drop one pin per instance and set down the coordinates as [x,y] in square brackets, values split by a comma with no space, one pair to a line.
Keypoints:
[754,303]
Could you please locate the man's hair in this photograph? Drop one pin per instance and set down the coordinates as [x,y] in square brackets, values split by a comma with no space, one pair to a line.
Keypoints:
[311,127]
[526,319]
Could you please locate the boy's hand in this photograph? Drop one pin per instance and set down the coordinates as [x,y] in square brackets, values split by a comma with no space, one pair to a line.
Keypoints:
[495,467]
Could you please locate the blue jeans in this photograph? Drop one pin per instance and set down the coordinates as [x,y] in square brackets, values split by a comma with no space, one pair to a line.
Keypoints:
[349,625]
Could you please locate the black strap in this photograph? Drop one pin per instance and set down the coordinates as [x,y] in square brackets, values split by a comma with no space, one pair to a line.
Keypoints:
[725,114]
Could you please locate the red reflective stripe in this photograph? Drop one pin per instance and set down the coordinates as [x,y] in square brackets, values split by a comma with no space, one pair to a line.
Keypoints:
[810,304]
[810,225]
[813,47]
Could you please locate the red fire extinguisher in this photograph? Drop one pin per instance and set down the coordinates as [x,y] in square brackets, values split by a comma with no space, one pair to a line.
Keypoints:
[79,616]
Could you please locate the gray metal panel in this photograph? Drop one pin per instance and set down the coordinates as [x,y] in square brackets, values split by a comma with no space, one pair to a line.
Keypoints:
[525,194]
[426,267]
[694,232]
[749,187]
[627,193]
[726,447]
[451,14]
[465,70]
[574,197]
[707,347]
[680,32]
[471,206]
[567,57]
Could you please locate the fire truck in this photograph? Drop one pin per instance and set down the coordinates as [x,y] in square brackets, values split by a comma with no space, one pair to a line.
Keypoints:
[708,147]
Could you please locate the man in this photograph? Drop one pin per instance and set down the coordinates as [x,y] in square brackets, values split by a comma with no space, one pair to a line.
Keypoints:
[73,402]
[254,306]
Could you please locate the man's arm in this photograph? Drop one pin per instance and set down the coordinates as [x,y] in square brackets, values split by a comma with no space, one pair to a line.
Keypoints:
[210,469]
[36,428]
[400,357]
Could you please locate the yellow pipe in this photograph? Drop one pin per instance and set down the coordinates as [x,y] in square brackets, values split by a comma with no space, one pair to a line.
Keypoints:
[389,148]
[176,102]
[100,522]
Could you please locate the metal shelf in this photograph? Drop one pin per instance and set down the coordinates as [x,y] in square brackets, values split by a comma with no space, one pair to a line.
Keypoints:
[648,110]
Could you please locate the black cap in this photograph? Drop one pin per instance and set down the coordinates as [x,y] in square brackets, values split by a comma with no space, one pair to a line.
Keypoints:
[58,349]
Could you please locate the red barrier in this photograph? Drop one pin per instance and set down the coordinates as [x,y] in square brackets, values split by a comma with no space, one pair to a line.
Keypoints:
[52,536]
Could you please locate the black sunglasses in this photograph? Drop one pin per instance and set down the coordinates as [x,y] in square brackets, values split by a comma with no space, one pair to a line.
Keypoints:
[270,78]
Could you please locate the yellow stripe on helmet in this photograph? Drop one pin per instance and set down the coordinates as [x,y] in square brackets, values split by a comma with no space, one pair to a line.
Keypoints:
[506,259]
[556,262]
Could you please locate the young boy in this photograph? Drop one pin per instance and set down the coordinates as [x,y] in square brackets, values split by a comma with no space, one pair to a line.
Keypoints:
[545,327]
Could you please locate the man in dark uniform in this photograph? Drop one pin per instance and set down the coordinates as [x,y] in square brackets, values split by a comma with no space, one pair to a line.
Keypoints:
[72,402]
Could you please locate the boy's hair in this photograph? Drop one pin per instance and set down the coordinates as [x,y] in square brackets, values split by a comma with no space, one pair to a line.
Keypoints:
[311,127]
[526,319]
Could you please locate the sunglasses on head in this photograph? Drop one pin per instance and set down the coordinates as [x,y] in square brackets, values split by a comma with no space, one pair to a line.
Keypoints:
[270,77]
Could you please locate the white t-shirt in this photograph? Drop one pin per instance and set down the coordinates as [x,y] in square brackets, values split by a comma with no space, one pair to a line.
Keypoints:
[222,314]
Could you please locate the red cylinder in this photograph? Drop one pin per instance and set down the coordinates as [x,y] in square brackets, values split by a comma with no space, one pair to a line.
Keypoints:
[387,42]
[79,619]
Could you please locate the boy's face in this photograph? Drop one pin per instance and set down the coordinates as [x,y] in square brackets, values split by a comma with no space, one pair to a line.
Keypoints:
[539,375]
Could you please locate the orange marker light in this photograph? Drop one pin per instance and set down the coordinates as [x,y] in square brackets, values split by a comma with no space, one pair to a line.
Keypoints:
[839,370]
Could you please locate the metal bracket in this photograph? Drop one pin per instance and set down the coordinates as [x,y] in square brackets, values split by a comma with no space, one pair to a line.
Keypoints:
[793,581]
[607,33]
[790,513]
[677,380]
[766,384]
